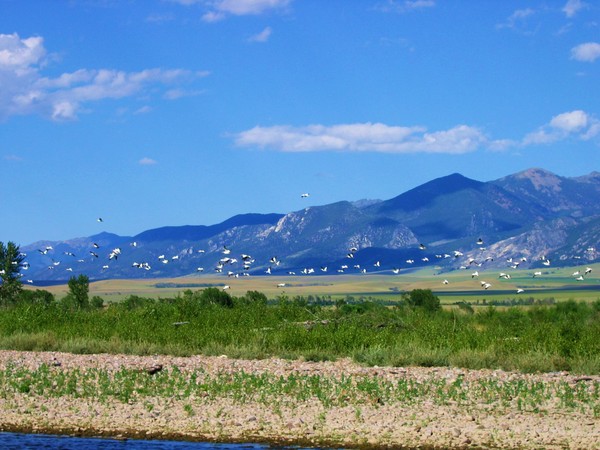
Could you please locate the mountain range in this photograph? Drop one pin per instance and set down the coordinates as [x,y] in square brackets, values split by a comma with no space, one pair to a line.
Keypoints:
[454,221]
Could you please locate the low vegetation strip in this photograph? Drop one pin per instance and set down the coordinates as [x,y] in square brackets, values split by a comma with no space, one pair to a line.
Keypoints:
[415,331]
[132,385]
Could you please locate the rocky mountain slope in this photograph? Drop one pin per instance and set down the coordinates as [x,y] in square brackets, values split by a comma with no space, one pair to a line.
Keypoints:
[452,222]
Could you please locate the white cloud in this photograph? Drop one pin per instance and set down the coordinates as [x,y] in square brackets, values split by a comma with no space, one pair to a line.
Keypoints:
[572,7]
[404,5]
[20,53]
[588,52]
[576,123]
[501,145]
[143,110]
[174,94]
[219,9]
[25,90]
[263,36]
[363,137]
[570,121]
[517,18]
[147,162]
[379,137]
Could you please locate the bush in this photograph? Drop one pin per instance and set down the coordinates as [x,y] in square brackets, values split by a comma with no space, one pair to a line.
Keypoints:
[37,297]
[215,296]
[254,298]
[135,301]
[423,298]
[97,302]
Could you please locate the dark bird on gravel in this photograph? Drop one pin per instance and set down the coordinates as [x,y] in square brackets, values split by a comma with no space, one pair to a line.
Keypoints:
[153,369]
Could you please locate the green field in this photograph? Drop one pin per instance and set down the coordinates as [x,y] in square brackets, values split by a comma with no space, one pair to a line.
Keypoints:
[375,319]
[557,283]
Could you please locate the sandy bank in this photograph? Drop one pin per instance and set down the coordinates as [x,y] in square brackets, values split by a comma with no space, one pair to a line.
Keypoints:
[362,421]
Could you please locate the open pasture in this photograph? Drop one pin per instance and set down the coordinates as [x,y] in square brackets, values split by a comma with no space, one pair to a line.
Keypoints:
[557,283]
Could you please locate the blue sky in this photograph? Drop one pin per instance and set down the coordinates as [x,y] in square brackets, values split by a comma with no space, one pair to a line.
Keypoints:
[150,113]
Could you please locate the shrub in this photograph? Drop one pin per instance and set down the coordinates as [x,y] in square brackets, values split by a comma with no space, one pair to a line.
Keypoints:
[37,297]
[423,298]
[215,296]
[97,302]
[135,301]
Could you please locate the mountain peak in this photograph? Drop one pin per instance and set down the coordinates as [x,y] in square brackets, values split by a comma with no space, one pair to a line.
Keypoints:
[592,177]
[425,194]
[541,179]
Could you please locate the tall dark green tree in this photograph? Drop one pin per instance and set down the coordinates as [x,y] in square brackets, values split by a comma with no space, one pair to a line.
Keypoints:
[11,263]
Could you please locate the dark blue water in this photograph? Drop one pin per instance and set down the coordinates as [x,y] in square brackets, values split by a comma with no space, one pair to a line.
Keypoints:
[20,441]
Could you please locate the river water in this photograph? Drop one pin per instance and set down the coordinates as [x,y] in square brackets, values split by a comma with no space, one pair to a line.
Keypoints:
[21,441]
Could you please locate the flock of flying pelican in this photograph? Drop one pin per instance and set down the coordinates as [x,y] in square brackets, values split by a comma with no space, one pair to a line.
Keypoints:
[228,263]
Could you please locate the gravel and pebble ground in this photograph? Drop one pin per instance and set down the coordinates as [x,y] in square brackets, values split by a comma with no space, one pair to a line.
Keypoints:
[426,423]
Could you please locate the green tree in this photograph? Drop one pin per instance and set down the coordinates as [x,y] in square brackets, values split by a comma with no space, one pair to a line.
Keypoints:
[215,296]
[423,298]
[79,288]
[11,262]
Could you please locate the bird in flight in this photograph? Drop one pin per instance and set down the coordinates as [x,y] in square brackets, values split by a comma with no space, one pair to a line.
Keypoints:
[99,219]
[305,195]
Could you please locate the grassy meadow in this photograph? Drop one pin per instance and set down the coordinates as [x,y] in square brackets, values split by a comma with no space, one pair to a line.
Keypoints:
[365,318]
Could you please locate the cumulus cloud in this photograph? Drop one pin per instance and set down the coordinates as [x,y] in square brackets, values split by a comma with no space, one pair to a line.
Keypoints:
[147,162]
[25,89]
[572,7]
[379,137]
[263,36]
[363,137]
[220,9]
[588,52]
[578,124]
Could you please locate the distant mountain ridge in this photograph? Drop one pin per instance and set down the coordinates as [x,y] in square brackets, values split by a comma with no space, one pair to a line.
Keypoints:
[199,232]
[527,215]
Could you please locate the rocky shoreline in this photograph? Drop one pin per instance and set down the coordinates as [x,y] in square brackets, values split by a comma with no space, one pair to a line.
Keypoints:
[426,423]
